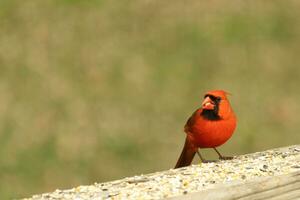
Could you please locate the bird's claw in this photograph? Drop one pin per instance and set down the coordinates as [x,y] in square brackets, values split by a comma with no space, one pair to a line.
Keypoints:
[209,161]
[226,157]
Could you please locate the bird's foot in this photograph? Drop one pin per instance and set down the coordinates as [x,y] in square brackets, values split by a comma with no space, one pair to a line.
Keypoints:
[226,157]
[209,161]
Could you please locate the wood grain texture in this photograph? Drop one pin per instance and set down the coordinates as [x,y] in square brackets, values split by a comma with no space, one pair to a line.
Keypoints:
[284,187]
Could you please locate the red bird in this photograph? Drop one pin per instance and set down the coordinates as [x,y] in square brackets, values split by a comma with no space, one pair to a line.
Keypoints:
[209,127]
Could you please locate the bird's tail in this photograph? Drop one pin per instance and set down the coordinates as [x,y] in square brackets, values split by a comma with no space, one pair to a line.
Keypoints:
[187,154]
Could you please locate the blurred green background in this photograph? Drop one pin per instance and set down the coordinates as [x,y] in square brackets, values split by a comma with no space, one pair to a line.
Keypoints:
[92,91]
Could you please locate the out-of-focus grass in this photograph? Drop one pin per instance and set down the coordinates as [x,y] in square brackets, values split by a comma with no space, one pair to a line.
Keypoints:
[98,90]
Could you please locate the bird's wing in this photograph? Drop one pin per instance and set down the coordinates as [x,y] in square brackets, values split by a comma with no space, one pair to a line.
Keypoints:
[192,120]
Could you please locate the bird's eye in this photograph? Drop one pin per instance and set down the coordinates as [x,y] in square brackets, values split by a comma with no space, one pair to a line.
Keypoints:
[218,99]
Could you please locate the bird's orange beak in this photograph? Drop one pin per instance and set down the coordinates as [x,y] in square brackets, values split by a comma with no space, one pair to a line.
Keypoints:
[208,104]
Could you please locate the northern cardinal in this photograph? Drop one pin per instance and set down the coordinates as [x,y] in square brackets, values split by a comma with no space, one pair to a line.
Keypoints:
[209,127]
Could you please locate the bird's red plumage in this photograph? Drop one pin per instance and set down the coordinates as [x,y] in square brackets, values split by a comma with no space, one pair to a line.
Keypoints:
[205,133]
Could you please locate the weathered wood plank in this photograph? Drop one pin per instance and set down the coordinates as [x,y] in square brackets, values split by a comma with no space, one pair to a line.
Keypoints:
[282,187]
[272,174]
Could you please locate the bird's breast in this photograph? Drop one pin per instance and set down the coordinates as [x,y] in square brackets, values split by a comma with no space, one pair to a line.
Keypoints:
[209,134]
